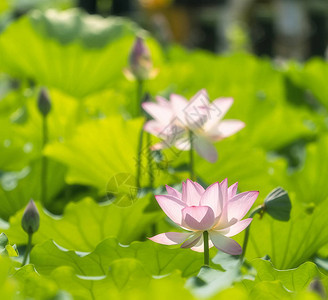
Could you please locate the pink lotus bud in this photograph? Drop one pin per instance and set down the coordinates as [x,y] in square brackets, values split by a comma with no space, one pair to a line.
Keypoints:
[44,103]
[140,61]
[31,218]
[318,288]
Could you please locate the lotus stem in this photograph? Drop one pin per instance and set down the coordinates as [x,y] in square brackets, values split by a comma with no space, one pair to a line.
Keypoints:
[44,161]
[150,160]
[139,96]
[256,210]
[28,248]
[206,249]
[139,151]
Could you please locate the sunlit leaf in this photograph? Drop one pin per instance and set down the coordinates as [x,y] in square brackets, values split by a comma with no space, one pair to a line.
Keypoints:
[70,50]
[291,243]
[125,280]
[106,148]
[156,259]
[308,183]
[7,284]
[89,223]
[293,279]
[18,188]
[31,284]
[209,281]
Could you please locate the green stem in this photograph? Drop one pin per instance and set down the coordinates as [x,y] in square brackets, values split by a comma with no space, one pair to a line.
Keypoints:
[139,97]
[151,175]
[140,142]
[153,229]
[138,176]
[251,215]
[206,249]
[150,162]
[44,161]
[28,248]
[191,157]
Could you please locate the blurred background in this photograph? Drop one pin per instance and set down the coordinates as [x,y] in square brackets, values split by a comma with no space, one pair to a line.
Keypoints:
[275,28]
[92,133]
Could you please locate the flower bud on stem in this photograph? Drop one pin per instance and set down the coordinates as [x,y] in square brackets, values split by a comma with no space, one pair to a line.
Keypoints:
[140,62]
[44,105]
[30,224]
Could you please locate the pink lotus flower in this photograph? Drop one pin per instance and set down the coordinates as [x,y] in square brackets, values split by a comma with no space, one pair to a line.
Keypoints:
[173,120]
[218,210]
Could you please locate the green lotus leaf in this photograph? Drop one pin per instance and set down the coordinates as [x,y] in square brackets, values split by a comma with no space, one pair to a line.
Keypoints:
[156,259]
[89,223]
[289,244]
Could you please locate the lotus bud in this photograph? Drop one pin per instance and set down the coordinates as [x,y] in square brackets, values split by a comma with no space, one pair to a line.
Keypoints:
[317,287]
[31,218]
[277,204]
[44,102]
[140,62]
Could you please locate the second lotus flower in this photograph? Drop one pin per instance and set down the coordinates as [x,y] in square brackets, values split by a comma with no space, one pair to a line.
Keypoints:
[218,210]
[174,119]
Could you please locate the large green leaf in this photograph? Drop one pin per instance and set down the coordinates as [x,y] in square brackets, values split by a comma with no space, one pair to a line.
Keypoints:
[33,285]
[16,149]
[124,274]
[99,150]
[103,149]
[18,188]
[4,6]
[21,125]
[271,283]
[156,259]
[89,223]
[243,164]
[269,290]
[309,182]
[21,148]
[311,76]
[209,282]
[291,243]
[293,279]
[70,50]
[125,280]
[7,285]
